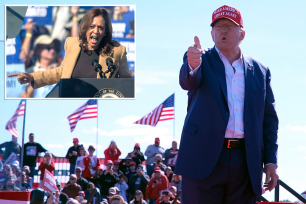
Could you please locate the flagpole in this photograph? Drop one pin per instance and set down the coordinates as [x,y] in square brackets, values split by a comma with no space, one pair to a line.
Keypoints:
[97,130]
[22,147]
[174,117]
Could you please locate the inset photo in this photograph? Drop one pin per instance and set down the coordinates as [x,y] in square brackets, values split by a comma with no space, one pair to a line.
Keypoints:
[63,52]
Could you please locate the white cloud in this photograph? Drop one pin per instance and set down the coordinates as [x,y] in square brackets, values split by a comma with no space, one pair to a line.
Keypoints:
[301,148]
[296,128]
[138,90]
[153,77]
[55,146]
[128,121]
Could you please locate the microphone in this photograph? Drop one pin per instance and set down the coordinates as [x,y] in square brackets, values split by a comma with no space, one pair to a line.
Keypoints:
[97,67]
[111,66]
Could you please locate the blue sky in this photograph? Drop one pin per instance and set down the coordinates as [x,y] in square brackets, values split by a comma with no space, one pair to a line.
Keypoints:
[274,34]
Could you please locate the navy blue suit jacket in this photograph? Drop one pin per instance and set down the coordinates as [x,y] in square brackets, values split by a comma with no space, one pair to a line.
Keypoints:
[208,114]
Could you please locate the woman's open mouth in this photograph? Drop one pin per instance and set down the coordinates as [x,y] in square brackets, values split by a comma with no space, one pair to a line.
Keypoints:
[94,39]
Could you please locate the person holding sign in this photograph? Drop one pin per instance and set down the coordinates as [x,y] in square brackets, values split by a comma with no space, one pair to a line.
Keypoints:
[10,147]
[46,164]
[231,123]
[93,42]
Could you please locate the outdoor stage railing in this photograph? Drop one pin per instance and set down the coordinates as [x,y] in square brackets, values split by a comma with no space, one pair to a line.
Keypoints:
[288,188]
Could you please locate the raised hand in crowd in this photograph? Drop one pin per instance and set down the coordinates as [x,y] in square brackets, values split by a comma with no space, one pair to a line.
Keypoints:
[26,45]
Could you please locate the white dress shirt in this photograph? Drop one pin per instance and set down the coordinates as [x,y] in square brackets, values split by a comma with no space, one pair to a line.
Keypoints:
[235,83]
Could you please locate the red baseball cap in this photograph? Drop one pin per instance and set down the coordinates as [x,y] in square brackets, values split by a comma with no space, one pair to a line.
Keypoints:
[229,13]
[157,169]
[81,192]
[157,139]
[132,163]
[99,167]
[75,140]
[109,162]
[137,145]
[116,162]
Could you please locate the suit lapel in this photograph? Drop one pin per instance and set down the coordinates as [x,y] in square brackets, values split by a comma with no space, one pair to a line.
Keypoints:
[249,77]
[219,70]
[72,56]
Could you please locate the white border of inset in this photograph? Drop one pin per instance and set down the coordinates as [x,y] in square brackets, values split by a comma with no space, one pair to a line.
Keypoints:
[134,5]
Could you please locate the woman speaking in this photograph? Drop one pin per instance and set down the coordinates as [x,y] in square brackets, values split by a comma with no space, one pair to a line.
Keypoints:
[94,41]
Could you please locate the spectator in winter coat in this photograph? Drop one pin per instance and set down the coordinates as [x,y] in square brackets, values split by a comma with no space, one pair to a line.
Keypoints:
[138,182]
[46,164]
[132,171]
[124,165]
[158,162]
[157,183]
[72,189]
[137,155]
[117,171]
[122,186]
[10,147]
[80,180]
[91,163]
[107,179]
[171,155]
[151,152]
[72,154]
[112,152]
[30,152]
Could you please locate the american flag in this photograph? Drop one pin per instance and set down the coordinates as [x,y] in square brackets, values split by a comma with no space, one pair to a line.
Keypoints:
[11,124]
[86,111]
[164,111]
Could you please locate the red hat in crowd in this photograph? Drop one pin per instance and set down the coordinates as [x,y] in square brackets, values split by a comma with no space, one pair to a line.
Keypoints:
[137,145]
[99,167]
[109,162]
[81,192]
[132,163]
[229,13]
[157,169]
[116,162]
[75,140]
[157,139]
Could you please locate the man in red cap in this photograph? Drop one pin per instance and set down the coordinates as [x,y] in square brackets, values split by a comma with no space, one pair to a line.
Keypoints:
[230,131]
[151,151]
[157,183]
[72,154]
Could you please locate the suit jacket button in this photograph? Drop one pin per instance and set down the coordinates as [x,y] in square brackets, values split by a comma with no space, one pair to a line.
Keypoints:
[226,113]
[223,133]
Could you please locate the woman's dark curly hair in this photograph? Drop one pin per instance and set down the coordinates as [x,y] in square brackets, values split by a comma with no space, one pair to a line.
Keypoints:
[106,43]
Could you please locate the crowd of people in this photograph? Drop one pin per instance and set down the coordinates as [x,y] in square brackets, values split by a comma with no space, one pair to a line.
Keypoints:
[111,180]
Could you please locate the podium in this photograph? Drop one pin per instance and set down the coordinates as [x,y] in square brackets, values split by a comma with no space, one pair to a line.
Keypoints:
[94,88]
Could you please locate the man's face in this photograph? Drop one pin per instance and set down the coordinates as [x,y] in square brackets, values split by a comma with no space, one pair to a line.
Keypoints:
[91,151]
[48,52]
[133,167]
[166,198]
[157,158]
[78,172]
[14,138]
[174,145]
[113,145]
[75,143]
[157,174]
[31,138]
[47,158]
[157,144]
[177,178]
[72,180]
[172,191]
[226,35]
[109,166]
[116,166]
